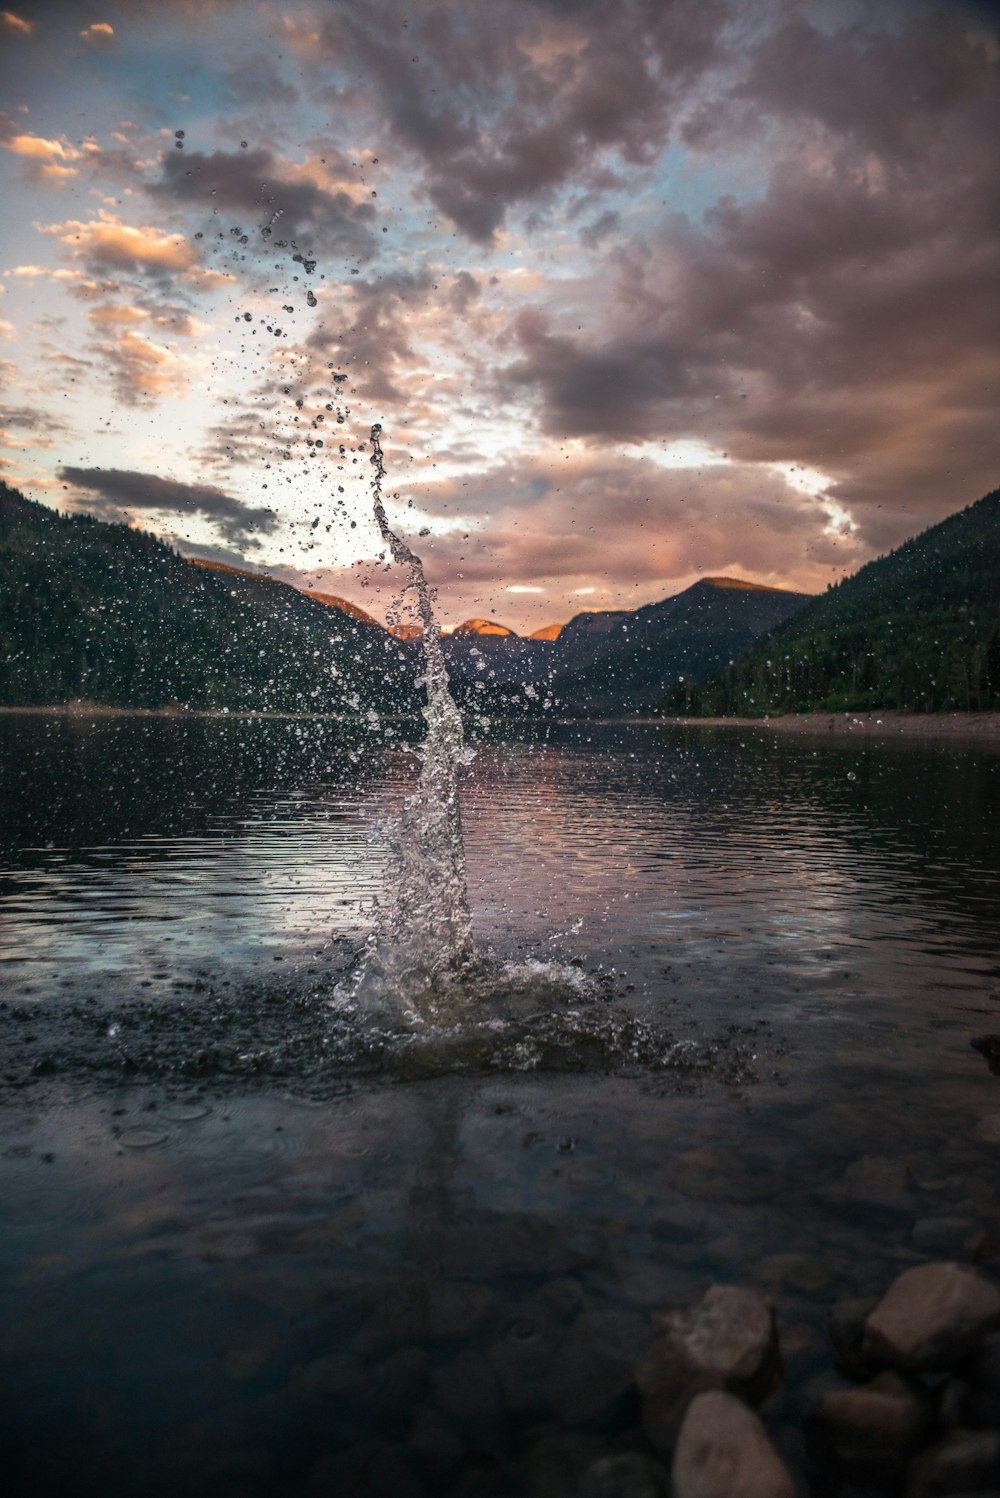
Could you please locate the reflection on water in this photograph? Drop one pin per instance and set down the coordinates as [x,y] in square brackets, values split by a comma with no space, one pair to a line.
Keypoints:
[442,1287]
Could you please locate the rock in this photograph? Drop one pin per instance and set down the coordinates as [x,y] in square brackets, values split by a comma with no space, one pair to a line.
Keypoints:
[931,1317]
[988,1046]
[467,1393]
[627,1476]
[985,1248]
[934,1235]
[723,1451]
[981,1376]
[595,1367]
[987,1130]
[965,1462]
[845,1325]
[728,1342]
[878,1425]
[880,1182]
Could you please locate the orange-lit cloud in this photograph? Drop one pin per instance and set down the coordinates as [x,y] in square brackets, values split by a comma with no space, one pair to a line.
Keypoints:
[100,34]
[14,25]
[107,243]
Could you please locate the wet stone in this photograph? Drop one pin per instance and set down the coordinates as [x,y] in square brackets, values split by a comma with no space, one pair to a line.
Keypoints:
[987,1130]
[846,1329]
[629,1475]
[982,1381]
[595,1362]
[879,1424]
[932,1317]
[965,1462]
[985,1249]
[467,1392]
[941,1234]
[728,1342]
[723,1451]
[881,1184]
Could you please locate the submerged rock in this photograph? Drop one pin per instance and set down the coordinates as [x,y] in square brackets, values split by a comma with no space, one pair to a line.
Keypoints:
[845,1327]
[931,1317]
[988,1046]
[966,1462]
[878,1425]
[723,1451]
[627,1476]
[728,1342]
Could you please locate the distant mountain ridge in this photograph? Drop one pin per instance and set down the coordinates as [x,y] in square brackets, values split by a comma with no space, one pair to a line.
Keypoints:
[917,630]
[617,660]
[111,614]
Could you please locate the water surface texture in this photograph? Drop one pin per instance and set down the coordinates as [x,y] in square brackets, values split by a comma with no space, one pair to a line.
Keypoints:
[240,1258]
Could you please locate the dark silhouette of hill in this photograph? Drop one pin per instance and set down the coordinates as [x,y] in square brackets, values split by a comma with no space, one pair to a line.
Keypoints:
[112,615]
[917,630]
[618,661]
[626,662]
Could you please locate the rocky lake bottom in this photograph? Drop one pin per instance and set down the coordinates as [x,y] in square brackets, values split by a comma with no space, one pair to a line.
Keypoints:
[249,1250]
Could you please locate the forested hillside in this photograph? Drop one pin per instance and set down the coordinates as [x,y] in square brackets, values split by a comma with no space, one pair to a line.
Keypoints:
[916,630]
[110,614]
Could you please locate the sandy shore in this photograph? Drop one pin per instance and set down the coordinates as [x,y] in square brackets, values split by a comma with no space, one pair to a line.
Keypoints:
[878,725]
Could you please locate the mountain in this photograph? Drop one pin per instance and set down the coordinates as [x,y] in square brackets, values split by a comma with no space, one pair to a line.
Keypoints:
[624,661]
[616,661]
[547,632]
[481,627]
[110,614]
[917,630]
[267,586]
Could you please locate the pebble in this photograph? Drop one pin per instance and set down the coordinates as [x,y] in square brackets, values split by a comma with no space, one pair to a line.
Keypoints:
[723,1451]
[931,1317]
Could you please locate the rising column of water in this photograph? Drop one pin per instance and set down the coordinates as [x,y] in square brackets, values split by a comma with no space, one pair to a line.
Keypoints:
[422,944]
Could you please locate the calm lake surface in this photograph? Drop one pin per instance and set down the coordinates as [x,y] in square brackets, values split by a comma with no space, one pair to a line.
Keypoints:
[234,1262]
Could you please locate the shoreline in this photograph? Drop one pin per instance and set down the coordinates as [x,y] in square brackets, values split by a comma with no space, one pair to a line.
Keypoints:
[889,724]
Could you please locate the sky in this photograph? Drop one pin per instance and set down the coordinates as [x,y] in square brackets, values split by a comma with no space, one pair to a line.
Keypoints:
[639,290]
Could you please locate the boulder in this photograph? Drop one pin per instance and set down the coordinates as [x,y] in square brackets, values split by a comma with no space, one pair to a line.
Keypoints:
[931,1317]
[965,1462]
[723,1451]
[728,1342]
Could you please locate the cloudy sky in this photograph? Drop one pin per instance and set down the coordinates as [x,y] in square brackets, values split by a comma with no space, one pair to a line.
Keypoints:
[640,290]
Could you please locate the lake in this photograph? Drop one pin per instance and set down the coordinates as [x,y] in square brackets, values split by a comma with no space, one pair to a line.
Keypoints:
[245,1253]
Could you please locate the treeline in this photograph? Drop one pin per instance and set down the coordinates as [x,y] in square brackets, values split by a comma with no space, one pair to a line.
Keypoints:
[917,630]
[112,615]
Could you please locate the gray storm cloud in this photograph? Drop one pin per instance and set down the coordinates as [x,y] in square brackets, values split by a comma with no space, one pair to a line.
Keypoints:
[121,490]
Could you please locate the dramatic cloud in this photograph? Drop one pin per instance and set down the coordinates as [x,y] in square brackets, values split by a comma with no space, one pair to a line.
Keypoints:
[252,182]
[107,245]
[844,318]
[504,105]
[123,492]
[638,289]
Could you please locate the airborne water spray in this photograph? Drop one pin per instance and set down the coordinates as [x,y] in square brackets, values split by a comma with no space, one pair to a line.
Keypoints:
[422,942]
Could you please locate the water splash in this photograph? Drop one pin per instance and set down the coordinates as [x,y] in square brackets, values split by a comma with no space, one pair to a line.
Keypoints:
[421,950]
